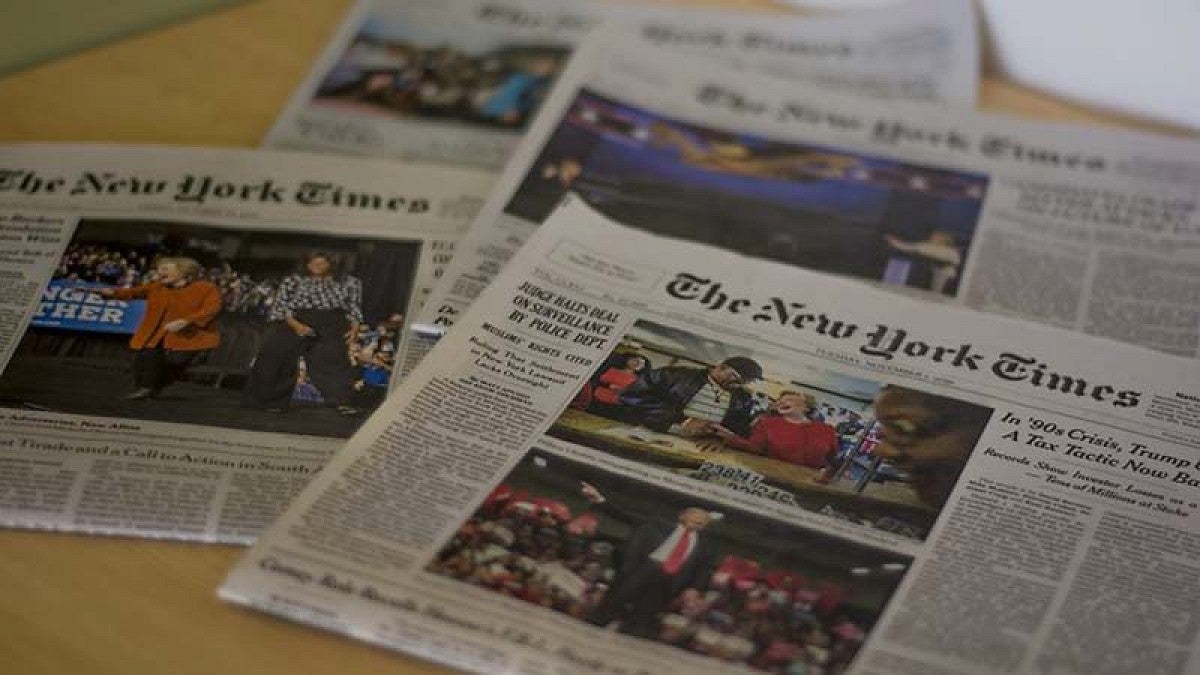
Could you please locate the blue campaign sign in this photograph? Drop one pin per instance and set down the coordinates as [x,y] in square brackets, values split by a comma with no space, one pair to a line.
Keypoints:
[70,305]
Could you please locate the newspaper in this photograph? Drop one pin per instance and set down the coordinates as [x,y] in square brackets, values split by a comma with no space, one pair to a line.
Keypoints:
[641,455]
[186,335]
[458,81]
[1081,228]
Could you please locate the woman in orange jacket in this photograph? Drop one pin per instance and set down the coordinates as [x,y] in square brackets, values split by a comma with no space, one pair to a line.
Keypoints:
[179,324]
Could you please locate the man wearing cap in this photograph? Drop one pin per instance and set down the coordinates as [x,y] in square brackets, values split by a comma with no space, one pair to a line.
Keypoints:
[659,561]
[691,401]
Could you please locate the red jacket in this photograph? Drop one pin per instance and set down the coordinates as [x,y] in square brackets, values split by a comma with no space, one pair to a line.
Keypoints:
[199,302]
[808,444]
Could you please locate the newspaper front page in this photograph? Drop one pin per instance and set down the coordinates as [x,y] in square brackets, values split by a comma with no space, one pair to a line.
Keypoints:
[186,336]
[458,82]
[1082,228]
[642,455]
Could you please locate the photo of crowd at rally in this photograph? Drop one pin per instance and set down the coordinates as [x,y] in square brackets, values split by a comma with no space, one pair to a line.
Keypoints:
[630,557]
[883,456]
[819,208]
[191,323]
[406,67]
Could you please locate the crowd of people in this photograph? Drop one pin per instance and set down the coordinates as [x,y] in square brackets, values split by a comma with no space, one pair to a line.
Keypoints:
[502,87]
[113,267]
[373,353]
[715,402]
[732,608]
[103,264]
[241,294]
[370,348]
[924,436]
[909,435]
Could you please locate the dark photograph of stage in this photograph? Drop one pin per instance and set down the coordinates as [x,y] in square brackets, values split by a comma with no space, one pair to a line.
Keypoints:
[870,454]
[632,558]
[190,323]
[402,64]
[818,208]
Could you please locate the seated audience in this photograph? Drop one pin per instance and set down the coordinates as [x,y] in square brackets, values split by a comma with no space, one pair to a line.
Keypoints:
[534,549]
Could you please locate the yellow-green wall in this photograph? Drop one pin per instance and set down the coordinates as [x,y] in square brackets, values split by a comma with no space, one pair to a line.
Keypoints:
[32,31]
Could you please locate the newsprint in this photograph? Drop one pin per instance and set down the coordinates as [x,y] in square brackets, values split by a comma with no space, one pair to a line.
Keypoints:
[186,336]
[642,455]
[458,82]
[1087,229]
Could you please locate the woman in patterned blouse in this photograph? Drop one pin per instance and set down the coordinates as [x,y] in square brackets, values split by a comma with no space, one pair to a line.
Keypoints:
[312,315]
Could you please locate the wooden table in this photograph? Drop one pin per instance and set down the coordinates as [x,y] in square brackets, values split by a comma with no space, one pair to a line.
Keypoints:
[74,604]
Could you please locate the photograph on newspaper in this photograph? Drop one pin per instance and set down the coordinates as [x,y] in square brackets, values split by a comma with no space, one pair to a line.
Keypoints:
[459,82]
[404,63]
[804,435]
[187,322]
[1051,456]
[192,333]
[1061,225]
[820,208]
[448,82]
[634,558]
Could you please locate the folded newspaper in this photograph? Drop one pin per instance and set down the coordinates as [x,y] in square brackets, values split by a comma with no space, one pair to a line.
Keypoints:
[223,420]
[641,455]
[1082,228]
[458,81]
[188,335]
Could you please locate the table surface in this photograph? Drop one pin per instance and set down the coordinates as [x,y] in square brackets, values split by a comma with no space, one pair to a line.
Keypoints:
[76,604]
[687,453]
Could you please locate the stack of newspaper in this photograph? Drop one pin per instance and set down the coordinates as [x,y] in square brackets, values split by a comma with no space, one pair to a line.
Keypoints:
[761,352]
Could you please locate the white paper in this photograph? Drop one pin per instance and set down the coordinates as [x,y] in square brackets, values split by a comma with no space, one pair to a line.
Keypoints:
[1001,474]
[1071,226]
[116,419]
[458,82]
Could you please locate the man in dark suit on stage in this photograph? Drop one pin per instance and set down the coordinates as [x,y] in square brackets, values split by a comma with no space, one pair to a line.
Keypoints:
[660,560]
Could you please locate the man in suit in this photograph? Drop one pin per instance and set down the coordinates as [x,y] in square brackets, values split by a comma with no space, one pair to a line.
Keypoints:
[659,561]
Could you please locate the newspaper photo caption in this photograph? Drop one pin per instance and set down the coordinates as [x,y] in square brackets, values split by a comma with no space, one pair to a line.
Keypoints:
[125,394]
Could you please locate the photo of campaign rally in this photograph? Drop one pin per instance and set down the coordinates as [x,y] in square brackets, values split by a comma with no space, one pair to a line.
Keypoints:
[883,456]
[819,208]
[632,558]
[190,323]
[397,67]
